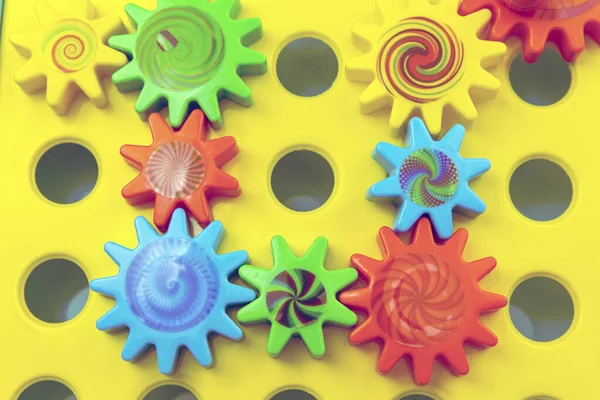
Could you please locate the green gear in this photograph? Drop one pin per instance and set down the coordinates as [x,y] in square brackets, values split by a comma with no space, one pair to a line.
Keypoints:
[297,296]
[186,52]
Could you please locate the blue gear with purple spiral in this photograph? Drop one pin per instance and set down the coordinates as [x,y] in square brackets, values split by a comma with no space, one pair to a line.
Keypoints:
[428,177]
[172,290]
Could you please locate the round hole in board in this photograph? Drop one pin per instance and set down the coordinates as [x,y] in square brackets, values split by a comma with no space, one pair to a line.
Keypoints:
[66,173]
[302,180]
[540,189]
[541,309]
[542,83]
[170,392]
[47,390]
[293,394]
[56,290]
[307,67]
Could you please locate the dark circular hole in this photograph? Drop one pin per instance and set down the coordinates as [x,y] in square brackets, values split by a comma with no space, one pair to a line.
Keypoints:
[170,392]
[293,394]
[302,180]
[307,67]
[47,390]
[66,173]
[416,397]
[56,290]
[541,83]
[541,189]
[541,309]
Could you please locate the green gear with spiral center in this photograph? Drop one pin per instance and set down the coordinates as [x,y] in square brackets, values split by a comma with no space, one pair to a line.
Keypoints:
[186,53]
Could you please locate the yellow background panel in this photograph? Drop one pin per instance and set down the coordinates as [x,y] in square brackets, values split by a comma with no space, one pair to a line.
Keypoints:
[508,131]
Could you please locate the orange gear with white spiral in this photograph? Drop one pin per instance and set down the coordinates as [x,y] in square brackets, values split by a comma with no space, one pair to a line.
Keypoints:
[423,301]
[562,22]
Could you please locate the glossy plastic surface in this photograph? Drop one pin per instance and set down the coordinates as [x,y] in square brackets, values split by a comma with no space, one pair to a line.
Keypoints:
[508,131]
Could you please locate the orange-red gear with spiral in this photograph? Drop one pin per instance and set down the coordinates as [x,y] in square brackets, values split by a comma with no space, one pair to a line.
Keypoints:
[423,301]
[536,22]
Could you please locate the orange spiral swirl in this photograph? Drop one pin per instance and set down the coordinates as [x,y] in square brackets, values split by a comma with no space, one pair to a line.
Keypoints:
[418,300]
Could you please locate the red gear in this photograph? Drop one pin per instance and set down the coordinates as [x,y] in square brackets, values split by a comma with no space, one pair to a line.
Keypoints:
[423,300]
[536,22]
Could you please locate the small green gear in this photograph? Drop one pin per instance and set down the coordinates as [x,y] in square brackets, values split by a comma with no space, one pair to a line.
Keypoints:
[188,52]
[297,296]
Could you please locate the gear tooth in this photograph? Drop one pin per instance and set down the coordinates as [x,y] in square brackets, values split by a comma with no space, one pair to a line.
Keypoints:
[492,53]
[240,295]
[374,98]
[230,7]
[179,223]
[342,278]
[238,92]
[361,68]
[452,140]
[46,14]
[210,107]
[407,216]
[386,190]
[442,222]
[317,252]
[134,347]
[232,261]
[201,351]
[314,339]
[432,115]
[254,276]
[251,62]
[82,8]
[279,336]
[479,19]
[366,332]
[226,327]
[476,166]
[422,367]
[123,43]
[486,82]
[145,231]
[30,78]
[119,254]
[212,235]
[112,320]
[107,286]
[60,93]
[149,100]
[253,313]
[23,43]
[137,14]
[388,357]
[250,30]
[574,43]
[464,106]
[534,43]
[167,353]
[389,156]
[343,316]
[364,36]
[178,109]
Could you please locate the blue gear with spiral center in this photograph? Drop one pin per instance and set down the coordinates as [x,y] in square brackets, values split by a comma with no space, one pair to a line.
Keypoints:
[172,291]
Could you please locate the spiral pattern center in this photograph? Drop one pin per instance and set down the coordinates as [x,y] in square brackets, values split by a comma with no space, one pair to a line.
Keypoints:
[296,298]
[71,45]
[172,285]
[428,178]
[180,48]
[420,59]
[175,170]
[418,300]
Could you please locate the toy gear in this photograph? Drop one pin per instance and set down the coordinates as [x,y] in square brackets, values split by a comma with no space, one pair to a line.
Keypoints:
[172,291]
[422,58]
[423,301]
[68,52]
[428,177]
[297,296]
[189,51]
[537,22]
[181,168]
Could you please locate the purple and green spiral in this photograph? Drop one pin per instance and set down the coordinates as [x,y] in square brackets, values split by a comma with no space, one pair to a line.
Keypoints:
[172,285]
[428,178]
[180,48]
[296,298]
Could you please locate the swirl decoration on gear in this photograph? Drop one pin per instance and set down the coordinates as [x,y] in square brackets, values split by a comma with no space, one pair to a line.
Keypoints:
[175,170]
[420,59]
[564,23]
[192,52]
[180,49]
[172,290]
[171,285]
[68,54]
[181,167]
[71,46]
[423,300]
[428,177]
[418,300]
[416,62]
[297,296]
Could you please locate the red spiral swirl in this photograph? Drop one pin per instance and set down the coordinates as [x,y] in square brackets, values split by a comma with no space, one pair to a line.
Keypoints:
[418,300]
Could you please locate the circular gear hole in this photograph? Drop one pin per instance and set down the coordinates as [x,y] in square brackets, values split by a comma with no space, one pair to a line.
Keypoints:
[302,180]
[56,291]
[416,396]
[307,67]
[47,390]
[541,190]
[66,173]
[541,309]
[170,392]
[542,83]
[293,394]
